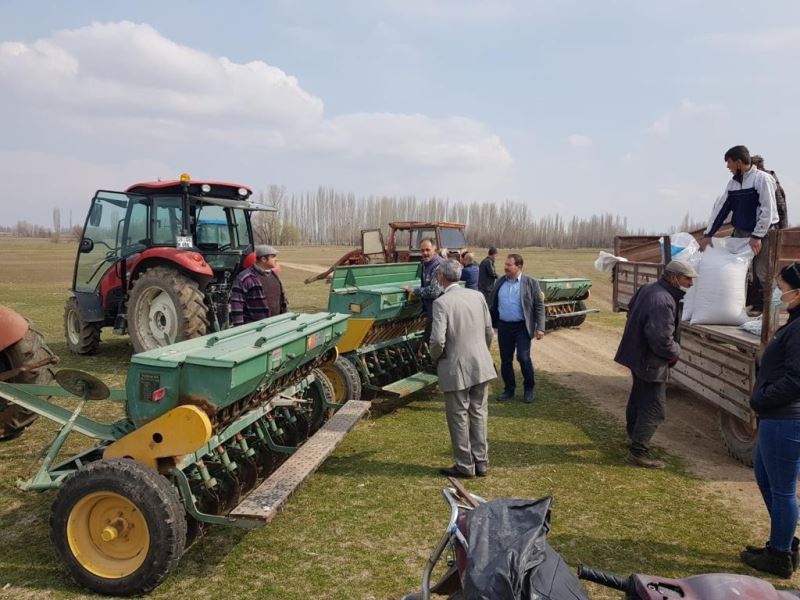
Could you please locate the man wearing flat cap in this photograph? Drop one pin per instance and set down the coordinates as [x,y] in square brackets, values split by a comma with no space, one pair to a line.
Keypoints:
[649,348]
[257,292]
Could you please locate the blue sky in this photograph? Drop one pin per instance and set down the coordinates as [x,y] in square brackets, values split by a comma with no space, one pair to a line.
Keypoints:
[571,106]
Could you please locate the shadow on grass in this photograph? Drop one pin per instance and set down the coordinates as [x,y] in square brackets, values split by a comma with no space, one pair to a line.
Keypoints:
[625,556]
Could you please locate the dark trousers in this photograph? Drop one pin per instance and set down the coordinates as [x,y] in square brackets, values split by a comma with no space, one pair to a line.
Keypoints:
[513,337]
[777,466]
[644,413]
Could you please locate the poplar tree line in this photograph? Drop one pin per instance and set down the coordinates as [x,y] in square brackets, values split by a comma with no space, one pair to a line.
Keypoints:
[329,217]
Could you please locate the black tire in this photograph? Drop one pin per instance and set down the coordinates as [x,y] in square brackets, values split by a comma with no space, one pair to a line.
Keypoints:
[82,337]
[146,498]
[320,393]
[345,380]
[31,349]
[738,436]
[185,316]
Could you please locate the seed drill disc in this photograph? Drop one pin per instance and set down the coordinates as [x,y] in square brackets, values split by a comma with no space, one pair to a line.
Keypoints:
[82,384]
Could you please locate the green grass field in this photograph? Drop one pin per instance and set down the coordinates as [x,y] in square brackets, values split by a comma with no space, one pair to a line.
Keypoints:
[363,525]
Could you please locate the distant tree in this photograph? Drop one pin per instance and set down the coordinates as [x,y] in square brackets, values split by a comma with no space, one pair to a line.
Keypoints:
[56,225]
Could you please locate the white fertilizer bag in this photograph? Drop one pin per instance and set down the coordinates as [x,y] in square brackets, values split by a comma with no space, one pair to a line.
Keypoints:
[721,293]
[693,259]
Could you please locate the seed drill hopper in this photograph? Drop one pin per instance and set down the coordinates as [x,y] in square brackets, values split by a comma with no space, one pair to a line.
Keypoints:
[565,302]
[381,353]
[218,429]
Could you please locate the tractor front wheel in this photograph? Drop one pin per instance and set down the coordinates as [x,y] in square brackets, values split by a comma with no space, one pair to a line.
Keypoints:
[82,337]
[119,527]
[30,350]
[165,307]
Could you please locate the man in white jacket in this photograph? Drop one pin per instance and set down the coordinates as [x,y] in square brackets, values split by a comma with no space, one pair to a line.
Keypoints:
[750,196]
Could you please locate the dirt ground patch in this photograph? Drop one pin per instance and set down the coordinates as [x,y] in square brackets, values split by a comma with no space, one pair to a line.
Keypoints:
[583,360]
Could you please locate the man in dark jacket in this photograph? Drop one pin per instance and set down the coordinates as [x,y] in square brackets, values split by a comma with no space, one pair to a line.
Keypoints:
[649,347]
[487,274]
[469,273]
[517,311]
[429,288]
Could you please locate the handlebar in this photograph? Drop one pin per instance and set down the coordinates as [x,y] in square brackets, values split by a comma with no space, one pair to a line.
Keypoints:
[604,578]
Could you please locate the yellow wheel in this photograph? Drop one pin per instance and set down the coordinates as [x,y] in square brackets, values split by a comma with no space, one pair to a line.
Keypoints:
[119,527]
[345,380]
[108,535]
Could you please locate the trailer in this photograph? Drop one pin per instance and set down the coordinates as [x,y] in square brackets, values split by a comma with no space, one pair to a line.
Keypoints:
[718,362]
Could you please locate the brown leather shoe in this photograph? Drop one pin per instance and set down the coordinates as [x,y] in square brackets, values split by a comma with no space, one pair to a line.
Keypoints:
[642,460]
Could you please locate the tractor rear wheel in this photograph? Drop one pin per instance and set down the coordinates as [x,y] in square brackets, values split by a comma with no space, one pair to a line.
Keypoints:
[119,527]
[165,307]
[345,380]
[30,350]
[82,337]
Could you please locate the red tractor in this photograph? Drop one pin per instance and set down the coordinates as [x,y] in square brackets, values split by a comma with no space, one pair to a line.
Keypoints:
[403,244]
[157,262]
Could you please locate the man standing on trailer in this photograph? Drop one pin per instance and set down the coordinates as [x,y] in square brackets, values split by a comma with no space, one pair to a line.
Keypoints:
[461,335]
[517,311]
[649,348]
[257,292]
[750,196]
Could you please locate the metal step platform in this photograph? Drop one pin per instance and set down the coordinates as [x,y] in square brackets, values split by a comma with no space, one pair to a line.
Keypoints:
[264,502]
[409,385]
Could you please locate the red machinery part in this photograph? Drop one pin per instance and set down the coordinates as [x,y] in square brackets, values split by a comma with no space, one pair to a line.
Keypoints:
[13,327]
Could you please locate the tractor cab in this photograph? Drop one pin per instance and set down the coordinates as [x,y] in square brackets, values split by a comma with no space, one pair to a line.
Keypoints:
[406,236]
[158,260]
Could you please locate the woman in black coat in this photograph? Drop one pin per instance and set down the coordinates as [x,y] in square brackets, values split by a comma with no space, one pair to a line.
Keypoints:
[776,401]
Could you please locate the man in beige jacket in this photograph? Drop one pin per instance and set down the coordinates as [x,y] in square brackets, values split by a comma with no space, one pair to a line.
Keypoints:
[461,334]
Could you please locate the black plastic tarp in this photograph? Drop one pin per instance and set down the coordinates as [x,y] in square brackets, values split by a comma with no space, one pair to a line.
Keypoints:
[509,557]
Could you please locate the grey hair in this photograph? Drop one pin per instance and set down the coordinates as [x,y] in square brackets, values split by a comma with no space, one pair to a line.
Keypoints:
[450,270]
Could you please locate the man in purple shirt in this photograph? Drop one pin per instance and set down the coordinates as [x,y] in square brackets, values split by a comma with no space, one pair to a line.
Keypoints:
[257,292]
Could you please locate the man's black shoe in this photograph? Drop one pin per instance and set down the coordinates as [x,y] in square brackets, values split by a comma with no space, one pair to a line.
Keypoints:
[454,472]
[505,396]
[481,472]
[529,396]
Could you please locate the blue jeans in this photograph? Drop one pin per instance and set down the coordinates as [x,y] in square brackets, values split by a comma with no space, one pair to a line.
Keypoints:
[776,466]
[511,337]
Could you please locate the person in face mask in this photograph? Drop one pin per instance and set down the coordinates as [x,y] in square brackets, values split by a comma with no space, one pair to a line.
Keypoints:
[776,401]
[750,196]
[649,347]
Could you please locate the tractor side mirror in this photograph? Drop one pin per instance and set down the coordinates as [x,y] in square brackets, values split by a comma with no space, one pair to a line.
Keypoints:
[96,215]
[86,246]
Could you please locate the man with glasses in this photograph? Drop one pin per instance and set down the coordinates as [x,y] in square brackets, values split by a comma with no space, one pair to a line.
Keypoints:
[649,348]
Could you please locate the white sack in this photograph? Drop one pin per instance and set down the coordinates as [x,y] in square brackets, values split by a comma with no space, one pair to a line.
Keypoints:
[605,261]
[688,299]
[721,287]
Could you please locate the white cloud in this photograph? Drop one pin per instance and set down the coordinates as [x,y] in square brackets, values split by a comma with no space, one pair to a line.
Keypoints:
[126,79]
[687,112]
[580,141]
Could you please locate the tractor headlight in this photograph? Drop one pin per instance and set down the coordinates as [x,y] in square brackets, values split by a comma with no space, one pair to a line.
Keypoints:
[205,188]
[242,192]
